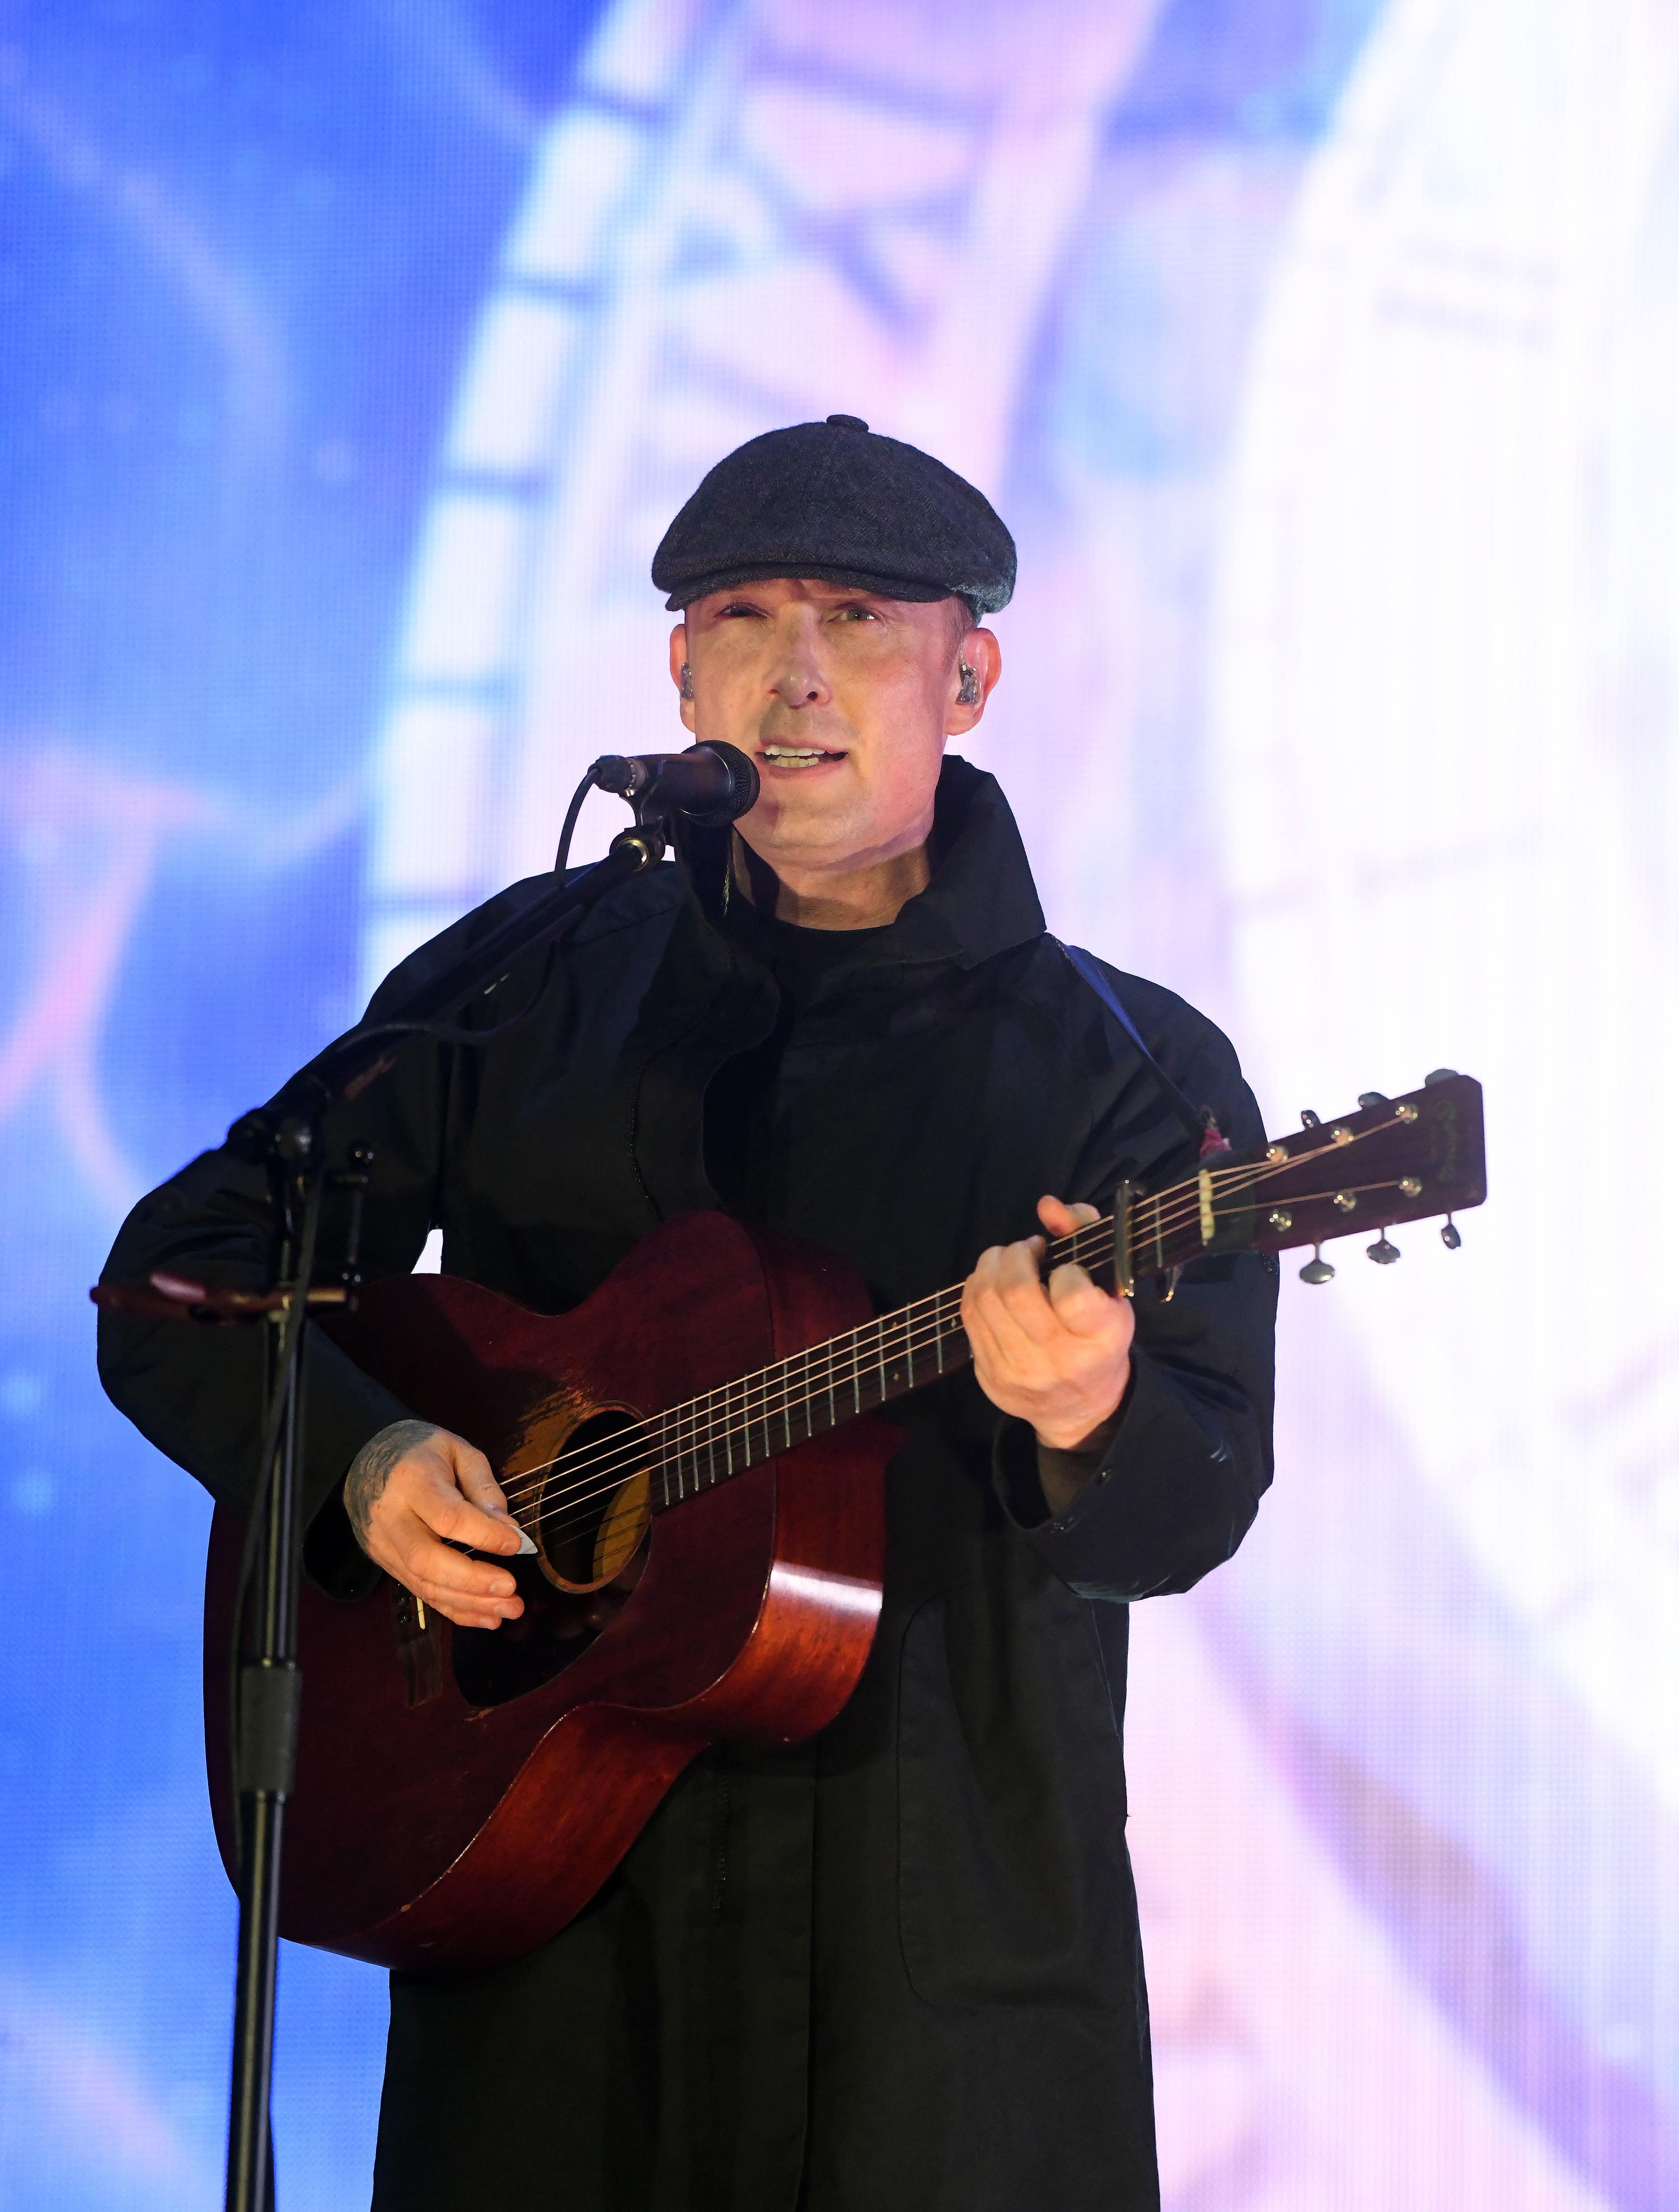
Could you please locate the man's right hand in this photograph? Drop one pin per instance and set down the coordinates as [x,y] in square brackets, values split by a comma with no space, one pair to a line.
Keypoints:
[408,1489]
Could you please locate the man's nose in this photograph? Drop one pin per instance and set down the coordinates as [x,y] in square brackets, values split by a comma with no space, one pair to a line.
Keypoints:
[800,679]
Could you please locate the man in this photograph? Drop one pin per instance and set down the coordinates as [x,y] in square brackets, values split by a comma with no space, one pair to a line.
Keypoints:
[898,1966]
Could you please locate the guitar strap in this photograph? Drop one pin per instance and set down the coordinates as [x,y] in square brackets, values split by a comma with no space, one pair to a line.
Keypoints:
[1202,1125]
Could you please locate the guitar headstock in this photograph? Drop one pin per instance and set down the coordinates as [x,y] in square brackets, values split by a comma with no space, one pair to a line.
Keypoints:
[1413,1158]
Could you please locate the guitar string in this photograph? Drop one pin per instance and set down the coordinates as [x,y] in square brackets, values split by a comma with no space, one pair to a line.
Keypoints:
[652,1456]
[574,1518]
[687,1431]
[621,1454]
[1097,1234]
[1161,1217]
[670,1441]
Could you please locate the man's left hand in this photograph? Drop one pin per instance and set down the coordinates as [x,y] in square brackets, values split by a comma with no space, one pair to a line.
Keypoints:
[1055,1354]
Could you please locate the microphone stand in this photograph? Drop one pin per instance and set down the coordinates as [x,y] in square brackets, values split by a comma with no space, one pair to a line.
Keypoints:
[269,1687]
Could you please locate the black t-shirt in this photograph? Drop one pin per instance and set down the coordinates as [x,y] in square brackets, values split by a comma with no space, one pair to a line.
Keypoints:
[740,1100]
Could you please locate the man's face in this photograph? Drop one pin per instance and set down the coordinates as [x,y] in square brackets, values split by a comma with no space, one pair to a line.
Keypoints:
[843,700]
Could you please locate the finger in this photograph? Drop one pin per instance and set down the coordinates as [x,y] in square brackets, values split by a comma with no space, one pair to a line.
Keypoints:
[466,1612]
[466,1616]
[467,1608]
[1013,1293]
[1001,1350]
[1009,1382]
[1060,1219]
[1017,1328]
[981,1339]
[450,1514]
[472,1472]
[432,1568]
[1080,1306]
[1009,1268]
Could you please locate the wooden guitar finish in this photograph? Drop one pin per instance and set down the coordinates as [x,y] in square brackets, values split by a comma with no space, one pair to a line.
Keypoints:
[461,1794]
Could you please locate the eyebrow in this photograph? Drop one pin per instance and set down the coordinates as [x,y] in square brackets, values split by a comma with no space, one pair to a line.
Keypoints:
[744,595]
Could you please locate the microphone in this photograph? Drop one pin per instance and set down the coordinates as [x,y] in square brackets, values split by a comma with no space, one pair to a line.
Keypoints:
[710,784]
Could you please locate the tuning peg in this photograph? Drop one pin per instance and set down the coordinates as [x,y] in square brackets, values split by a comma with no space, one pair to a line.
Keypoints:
[1450,1236]
[1384,1252]
[1372,1098]
[1438,1075]
[1309,1120]
[1317,1268]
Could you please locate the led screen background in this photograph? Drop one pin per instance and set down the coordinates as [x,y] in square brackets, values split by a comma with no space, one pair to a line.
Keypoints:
[1324,357]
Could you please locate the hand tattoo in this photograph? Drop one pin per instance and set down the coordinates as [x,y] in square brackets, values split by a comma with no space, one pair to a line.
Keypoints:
[370,1470]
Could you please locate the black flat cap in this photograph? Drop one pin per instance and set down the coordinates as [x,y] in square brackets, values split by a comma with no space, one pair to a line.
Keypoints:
[836,500]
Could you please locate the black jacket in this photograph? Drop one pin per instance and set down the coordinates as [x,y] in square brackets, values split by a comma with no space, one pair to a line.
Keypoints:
[901,1961]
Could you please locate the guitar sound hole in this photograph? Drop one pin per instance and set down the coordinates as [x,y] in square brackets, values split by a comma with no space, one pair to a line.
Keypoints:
[593,1512]
[590,1527]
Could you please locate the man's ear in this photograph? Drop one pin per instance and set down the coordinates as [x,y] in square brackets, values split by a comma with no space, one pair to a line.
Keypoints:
[979,663]
[684,689]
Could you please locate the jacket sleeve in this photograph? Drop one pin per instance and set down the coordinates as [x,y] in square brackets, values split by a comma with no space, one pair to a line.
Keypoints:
[197,1392]
[1179,1485]
[1177,1488]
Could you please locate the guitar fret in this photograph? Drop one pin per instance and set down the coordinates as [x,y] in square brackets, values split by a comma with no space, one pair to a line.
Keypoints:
[877,1360]
[742,1423]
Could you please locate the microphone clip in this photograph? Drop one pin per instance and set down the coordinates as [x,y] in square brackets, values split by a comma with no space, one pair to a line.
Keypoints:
[709,785]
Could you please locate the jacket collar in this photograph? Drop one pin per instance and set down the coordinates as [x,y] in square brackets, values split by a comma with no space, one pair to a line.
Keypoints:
[981,901]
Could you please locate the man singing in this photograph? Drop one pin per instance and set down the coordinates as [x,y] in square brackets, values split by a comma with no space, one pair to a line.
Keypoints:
[896,1967]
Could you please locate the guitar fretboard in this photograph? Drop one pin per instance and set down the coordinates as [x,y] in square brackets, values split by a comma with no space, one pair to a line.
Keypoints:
[708,1439]
[691,1447]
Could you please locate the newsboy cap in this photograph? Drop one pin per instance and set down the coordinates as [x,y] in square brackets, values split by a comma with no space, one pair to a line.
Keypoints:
[836,500]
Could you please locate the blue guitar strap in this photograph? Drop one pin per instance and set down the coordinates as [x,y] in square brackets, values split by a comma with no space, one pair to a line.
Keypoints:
[1202,1125]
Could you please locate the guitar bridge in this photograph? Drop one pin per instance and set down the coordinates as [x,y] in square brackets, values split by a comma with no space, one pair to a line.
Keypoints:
[419,1647]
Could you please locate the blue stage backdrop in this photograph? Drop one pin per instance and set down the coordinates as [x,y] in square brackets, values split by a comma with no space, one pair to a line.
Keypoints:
[1323,355]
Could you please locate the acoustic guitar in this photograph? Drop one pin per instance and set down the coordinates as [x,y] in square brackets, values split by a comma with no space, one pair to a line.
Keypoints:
[696,1460]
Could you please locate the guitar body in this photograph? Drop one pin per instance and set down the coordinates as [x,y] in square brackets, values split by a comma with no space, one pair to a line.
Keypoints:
[462,1794]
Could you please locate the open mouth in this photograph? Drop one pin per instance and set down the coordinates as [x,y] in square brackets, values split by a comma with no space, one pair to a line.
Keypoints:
[797,757]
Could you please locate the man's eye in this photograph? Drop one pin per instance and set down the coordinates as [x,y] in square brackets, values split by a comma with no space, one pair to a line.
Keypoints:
[858,613]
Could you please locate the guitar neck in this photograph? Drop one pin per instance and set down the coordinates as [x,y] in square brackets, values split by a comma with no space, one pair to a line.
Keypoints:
[706,1440]
[1395,1160]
